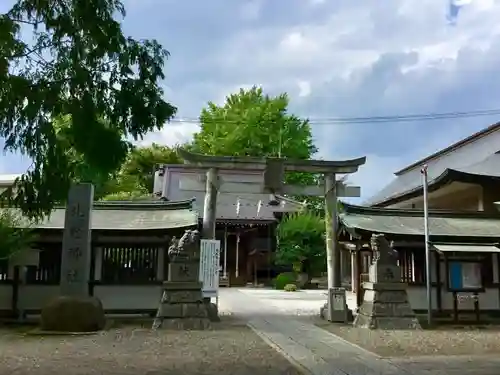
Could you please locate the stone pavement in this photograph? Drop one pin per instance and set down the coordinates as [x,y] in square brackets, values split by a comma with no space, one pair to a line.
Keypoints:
[318,352]
[315,350]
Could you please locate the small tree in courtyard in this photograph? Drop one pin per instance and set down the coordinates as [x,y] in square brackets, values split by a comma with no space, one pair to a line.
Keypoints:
[301,243]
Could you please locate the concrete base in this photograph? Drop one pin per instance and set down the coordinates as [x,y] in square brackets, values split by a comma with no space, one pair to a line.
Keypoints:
[213,312]
[335,309]
[336,316]
[182,307]
[386,306]
[185,324]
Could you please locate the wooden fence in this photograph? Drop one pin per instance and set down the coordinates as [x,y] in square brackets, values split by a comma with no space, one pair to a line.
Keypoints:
[127,279]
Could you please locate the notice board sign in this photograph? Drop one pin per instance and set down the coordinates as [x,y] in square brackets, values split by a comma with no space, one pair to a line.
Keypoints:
[465,276]
[209,267]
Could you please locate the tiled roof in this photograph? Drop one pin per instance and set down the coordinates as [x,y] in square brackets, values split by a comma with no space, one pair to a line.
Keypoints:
[132,216]
[411,222]
[409,183]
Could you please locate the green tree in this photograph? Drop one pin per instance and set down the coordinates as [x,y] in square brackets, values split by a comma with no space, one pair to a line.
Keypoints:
[77,63]
[136,195]
[135,179]
[251,123]
[301,242]
[141,163]
[102,180]
[14,234]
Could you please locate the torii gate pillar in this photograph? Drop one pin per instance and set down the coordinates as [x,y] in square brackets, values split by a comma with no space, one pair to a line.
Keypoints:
[210,206]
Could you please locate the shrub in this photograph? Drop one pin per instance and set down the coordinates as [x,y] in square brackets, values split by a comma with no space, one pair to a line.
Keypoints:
[290,288]
[283,279]
[301,243]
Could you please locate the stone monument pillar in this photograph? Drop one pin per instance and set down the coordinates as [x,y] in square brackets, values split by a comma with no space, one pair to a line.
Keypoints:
[181,306]
[74,310]
[76,249]
[385,304]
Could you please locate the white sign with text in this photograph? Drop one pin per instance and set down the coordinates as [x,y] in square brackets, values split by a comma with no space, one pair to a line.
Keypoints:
[209,267]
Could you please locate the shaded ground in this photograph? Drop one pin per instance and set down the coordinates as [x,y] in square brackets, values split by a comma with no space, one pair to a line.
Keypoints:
[230,348]
[444,341]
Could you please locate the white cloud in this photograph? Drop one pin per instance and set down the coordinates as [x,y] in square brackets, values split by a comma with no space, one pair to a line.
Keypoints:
[355,37]
[304,88]
[174,133]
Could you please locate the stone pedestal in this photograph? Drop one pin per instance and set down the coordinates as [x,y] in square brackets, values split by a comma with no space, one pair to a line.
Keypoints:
[386,306]
[182,307]
[385,303]
[335,309]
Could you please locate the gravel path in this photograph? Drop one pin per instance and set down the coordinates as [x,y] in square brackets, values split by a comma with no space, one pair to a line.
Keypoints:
[228,349]
[444,342]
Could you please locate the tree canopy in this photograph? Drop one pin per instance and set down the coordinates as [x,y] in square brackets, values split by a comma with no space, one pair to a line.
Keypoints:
[251,123]
[71,58]
[135,178]
[141,162]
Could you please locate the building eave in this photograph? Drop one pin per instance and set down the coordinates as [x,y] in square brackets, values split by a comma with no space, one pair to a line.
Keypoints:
[447,177]
[448,225]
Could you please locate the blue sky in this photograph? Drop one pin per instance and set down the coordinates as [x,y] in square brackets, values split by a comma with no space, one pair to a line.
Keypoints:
[337,58]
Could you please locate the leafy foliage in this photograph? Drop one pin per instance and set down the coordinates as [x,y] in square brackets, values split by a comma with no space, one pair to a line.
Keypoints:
[283,279]
[79,64]
[127,196]
[82,171]
[141,162]
[134,180]
[290,288]
[301,239]
[14,236]
[253,124]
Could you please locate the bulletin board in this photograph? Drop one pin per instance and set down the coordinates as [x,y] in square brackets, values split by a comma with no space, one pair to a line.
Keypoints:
[464,276]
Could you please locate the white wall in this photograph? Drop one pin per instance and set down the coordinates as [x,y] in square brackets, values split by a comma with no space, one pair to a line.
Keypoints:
[113,297]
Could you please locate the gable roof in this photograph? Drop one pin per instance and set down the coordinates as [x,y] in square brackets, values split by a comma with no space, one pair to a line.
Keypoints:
[134,215]
[482,133]
[442,223]
[407,186]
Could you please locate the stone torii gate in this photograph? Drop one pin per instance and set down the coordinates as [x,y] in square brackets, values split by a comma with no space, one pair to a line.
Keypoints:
[273,171]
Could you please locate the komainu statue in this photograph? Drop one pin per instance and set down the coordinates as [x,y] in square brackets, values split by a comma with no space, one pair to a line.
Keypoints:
[382,250]
[187,247]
